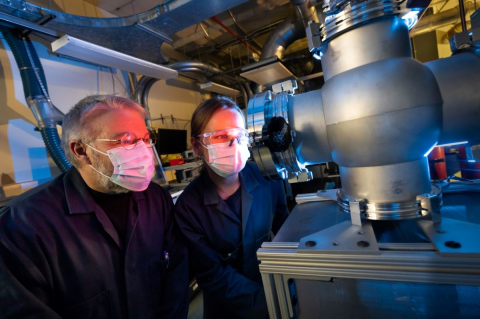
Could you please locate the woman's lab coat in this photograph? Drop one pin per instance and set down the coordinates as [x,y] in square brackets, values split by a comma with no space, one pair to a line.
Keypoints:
[223,249]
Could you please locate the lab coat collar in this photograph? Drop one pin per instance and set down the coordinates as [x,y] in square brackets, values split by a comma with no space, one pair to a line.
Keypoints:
[210,195]
[248,183]
[80,201]
[78,196]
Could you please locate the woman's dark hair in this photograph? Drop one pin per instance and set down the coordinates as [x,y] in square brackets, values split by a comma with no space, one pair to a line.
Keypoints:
[206,109]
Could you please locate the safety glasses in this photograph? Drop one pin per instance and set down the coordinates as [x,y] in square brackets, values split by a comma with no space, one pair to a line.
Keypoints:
[225,136]
[130,140]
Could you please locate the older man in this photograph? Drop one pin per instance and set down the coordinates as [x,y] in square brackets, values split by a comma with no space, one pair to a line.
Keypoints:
[99,241]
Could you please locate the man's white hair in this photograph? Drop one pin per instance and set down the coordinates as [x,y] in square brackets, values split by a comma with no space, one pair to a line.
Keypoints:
[78,124]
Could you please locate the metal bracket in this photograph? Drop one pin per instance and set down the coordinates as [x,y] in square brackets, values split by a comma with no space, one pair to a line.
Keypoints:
[355,213]
[343,238]
[286,86]
[453,237]
[431,205]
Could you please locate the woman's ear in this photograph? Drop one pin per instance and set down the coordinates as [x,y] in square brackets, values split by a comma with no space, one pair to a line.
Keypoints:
[79,149]
[196,146]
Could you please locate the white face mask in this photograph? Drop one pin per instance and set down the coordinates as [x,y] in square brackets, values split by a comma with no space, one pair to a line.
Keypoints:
[227,160]
[132,169]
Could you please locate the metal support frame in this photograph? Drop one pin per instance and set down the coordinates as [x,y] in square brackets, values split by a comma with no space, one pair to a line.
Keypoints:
[351,251]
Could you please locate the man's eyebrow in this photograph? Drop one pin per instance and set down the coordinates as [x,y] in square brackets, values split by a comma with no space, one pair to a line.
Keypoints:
[118,135]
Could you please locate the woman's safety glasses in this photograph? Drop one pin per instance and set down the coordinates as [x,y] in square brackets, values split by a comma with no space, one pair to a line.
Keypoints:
[130,140]
[225,136]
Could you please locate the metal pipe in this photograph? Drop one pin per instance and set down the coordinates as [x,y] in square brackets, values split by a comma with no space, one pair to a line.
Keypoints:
[285,34]
[234,34]
[290,30]
[435,21]
[462,15]
[241,31]
[244,93]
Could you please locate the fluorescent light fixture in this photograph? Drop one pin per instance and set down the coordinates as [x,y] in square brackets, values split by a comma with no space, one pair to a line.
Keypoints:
[431,149]
[411,18]
[471,161]
[93,53]
[220,89]
[450,144]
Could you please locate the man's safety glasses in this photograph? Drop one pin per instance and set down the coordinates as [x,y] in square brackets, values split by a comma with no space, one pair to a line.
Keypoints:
[130,140]
[225,136]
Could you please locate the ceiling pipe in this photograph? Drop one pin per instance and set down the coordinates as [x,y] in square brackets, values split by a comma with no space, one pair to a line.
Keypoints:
[290,30]
[445,18]
[234,34]
[241,31]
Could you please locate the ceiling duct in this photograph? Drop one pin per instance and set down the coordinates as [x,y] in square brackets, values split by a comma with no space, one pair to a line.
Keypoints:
[140,35]
[290,30]
[438,20]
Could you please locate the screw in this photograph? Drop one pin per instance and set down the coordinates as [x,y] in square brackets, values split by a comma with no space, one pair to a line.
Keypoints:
[360,232]
[310,243]
[441,231]
[452,244]
[335,244]
[363,244]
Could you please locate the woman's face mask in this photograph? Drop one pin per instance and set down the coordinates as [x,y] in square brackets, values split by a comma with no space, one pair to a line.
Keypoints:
[227,159]
[132,168]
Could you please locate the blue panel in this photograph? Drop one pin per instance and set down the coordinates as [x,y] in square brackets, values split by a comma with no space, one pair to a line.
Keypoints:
[39,162]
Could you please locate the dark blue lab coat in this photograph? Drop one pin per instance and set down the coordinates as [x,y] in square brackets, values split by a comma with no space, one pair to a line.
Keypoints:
[60,256]
[215,234]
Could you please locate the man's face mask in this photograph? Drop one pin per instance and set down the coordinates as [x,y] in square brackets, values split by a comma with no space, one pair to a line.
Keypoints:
[132,168]
[227,150]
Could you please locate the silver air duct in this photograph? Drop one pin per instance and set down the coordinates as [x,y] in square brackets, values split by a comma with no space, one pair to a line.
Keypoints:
[290,30]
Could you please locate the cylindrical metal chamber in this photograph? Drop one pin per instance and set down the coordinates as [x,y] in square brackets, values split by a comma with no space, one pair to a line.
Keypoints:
[388,183]
[459,79]
[383,112]
[378,40]
[307,120]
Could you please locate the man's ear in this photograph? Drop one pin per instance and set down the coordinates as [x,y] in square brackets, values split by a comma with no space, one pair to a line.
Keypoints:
[79,149]
[196,146]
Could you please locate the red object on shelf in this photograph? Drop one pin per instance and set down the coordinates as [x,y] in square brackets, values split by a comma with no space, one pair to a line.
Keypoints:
[177,161]
[437,164]
[470,170]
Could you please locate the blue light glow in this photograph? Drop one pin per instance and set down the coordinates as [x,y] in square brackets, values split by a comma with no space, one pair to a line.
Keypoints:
[450,144]
[430,150]
[411,18]
[318,55]
[471,161]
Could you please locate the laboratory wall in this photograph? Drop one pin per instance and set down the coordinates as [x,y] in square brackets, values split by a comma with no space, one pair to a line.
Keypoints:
[24,162]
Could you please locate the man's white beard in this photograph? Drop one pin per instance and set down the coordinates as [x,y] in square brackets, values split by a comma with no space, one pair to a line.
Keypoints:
[104,165]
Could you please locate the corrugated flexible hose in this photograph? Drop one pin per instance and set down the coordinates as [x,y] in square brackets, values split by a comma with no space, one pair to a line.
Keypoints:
[32,89]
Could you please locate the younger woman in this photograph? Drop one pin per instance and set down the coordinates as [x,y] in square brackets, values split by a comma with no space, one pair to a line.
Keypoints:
[227,213]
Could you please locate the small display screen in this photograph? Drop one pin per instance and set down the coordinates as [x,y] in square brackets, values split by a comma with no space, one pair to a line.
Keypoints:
[171,141]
